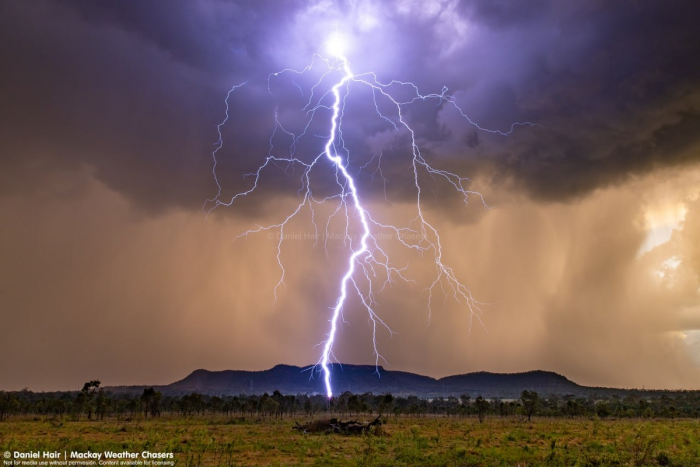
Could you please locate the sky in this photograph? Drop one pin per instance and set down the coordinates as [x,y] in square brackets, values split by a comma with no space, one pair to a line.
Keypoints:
[585,251]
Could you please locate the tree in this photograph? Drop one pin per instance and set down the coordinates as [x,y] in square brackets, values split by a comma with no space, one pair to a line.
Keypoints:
[482,406]
[531,402]
[7,402]
[102,403]
[281,403]
[354,404]
[191,403]
[602,409]
[150,402]
[84,399]
[386,403]
[269,406]
[308,407]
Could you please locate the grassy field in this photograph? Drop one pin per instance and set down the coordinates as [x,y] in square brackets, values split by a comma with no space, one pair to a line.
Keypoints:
[402,441]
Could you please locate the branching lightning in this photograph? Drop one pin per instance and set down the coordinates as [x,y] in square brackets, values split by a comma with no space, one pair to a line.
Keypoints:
[367,259]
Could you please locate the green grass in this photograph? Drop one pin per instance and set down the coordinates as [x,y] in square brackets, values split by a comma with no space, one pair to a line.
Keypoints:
[404,442]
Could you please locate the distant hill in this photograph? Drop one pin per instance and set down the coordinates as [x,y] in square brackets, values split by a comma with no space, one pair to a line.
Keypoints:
[365,378]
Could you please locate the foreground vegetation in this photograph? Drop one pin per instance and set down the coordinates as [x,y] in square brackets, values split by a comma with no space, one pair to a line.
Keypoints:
[637,429]
[402,441]
[92,401]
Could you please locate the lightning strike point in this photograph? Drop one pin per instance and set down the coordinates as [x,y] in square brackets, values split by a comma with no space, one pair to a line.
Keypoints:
[336,46]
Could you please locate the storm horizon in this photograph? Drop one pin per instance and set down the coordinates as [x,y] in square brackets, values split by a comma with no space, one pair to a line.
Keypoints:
[585,251]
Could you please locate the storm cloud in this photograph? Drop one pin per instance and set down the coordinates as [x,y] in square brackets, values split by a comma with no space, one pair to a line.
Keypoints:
[109,118]
[134,90]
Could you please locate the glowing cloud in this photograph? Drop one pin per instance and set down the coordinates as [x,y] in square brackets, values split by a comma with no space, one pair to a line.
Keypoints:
[336,45]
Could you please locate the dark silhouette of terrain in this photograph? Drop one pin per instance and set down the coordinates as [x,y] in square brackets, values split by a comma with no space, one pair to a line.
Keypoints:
[360,379]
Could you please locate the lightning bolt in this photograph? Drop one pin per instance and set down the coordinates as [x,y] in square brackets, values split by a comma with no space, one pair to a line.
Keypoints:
[367,255]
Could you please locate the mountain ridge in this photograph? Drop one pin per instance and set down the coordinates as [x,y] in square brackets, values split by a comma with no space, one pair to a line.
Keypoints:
[290,379]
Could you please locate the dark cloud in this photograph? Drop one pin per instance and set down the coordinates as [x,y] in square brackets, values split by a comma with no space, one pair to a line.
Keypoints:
[502,14]
[88,95]
[134,90]
[625,102]
[213,36]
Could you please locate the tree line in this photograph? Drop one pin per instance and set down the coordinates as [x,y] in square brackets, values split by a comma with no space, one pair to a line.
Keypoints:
[95,403]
